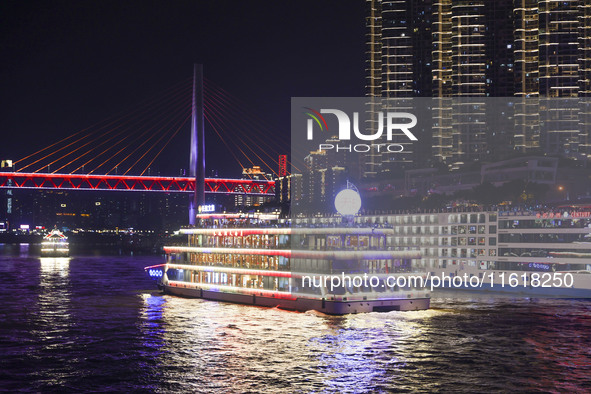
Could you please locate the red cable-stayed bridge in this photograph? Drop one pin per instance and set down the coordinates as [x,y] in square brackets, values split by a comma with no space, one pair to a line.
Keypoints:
[115,154]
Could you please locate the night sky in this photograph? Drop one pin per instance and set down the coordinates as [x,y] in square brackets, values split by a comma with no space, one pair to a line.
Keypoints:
[69,64]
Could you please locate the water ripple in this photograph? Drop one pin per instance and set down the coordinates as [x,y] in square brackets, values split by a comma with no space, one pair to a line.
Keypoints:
[96,324]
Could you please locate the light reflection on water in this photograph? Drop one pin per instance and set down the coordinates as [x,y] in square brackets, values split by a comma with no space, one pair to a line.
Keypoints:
[465,344]
[96,323]
[52,318]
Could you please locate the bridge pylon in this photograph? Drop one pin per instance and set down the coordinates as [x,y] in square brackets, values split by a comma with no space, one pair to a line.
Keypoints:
[197,157]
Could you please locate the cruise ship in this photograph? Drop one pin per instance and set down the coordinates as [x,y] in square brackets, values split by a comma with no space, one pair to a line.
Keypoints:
[545,252]
[261,259]
[55,244]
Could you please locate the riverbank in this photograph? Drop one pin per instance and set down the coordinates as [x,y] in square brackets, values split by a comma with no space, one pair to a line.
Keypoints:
[144,243]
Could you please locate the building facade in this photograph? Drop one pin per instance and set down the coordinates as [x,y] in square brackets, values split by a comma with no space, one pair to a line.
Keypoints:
[523,49]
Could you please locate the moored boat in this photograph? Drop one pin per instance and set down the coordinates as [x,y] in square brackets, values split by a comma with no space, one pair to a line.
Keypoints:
[55,244]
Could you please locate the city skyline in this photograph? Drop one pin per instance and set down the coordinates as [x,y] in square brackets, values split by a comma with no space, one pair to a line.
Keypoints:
[439,49]
[412,49]
[72,65]
[351,197]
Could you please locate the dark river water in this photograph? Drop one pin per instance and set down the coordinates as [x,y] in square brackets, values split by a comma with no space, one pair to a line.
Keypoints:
[96,323]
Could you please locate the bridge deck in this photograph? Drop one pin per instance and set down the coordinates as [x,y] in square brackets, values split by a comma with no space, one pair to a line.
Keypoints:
[21,180]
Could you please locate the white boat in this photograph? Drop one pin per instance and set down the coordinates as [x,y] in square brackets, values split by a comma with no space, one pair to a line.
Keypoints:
[543,252]
[259,259]
[55,244]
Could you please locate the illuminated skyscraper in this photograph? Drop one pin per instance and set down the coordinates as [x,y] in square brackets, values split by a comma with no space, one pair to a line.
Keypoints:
[398,66]
[468,65]
[527,76]
[584,25]
[526,48]
[477,48]
[442,145]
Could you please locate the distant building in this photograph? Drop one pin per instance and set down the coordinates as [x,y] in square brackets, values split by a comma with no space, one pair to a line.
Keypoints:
[289,188]
[247,200]
[326,174]
[7,217]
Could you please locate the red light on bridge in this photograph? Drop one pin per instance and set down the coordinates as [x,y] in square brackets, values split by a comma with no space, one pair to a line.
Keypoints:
[19,180]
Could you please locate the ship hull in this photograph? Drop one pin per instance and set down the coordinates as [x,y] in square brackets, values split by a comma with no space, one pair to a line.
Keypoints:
[305,304]
[55,253]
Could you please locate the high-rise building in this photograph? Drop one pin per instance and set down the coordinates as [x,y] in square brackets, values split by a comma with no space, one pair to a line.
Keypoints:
[398,66]
[526,49]
[527,77]
[584,17]
[373,37]
[500,48]
[558,71]
[558,48]
[397,48]
[442,140]
[442,51]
